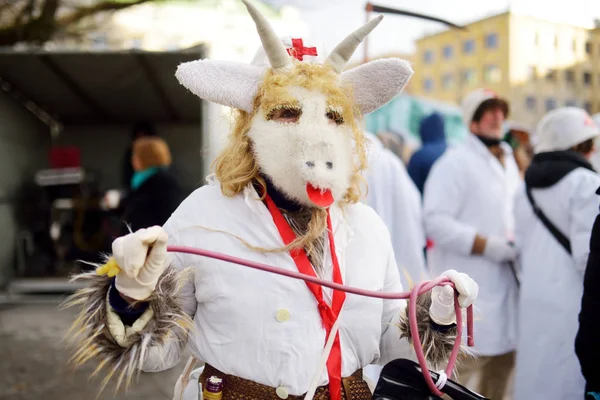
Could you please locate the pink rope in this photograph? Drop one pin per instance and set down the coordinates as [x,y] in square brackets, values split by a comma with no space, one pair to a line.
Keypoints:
[419,289]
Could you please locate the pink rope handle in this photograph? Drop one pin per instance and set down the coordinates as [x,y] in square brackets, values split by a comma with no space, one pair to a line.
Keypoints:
[419,289]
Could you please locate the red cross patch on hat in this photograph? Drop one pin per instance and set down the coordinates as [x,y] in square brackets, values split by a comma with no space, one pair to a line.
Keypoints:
[298,50]
[588,121]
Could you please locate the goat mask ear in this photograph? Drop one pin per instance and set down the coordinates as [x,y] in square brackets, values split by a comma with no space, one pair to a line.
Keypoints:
[235,84]
[223,82]
[376,83]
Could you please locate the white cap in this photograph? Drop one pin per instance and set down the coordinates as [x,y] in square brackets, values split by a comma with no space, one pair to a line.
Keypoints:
[564,128]
[302,47]
[472,102]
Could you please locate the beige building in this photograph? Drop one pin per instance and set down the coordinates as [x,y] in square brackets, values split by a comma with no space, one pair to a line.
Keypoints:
[536,64]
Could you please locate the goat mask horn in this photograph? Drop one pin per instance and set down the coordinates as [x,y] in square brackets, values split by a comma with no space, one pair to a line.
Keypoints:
[277,54]
[343,52]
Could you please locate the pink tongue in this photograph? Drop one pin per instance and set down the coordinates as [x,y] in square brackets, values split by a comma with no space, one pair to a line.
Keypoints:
[322,198]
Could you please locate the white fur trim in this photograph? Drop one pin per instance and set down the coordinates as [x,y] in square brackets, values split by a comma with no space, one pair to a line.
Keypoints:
[223,82]
[122,334]
[377,82]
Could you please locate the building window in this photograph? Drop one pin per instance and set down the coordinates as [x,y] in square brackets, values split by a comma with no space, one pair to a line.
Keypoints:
[531,103]
[428,57]
[551,75]
[536,39]
[574,45]
[136,44]
[570,76]
[447,52]
[550,104]
[571,103]
[587,78]
[491,41]
[448,81]
[492,74]
[588,47]
[428,85]
[469,46]
[588,107]
[556,41]
[469,76]
[531,73]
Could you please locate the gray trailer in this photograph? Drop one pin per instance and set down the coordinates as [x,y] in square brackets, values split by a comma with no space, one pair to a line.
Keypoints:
[88,101]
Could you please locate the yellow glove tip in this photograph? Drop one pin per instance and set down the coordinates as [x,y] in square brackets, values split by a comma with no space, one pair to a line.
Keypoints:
[111,268]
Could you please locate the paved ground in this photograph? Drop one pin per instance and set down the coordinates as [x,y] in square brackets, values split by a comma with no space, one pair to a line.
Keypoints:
[33,361]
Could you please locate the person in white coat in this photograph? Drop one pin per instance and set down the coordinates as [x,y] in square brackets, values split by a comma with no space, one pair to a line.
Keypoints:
[396,199]
[554,246]
[286,192]
[468,213]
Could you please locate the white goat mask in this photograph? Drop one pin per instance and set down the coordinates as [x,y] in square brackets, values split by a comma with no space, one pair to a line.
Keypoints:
[313,155]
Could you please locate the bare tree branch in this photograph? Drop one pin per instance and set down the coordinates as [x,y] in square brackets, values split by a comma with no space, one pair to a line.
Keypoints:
[26,12]
[95,9]
[49,23]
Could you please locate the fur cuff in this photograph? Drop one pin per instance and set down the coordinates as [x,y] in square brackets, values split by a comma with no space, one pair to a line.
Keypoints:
[437,343]
[125,335]
[99,333]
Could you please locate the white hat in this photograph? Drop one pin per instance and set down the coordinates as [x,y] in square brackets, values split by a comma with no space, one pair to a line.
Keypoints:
[472,102]
[564,128]
[303,49]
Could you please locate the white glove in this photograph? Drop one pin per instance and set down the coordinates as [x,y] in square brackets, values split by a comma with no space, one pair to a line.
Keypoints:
[140,270]
[441,310]
[499,250]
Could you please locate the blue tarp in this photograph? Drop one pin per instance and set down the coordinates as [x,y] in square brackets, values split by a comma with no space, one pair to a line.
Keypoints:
[403,116]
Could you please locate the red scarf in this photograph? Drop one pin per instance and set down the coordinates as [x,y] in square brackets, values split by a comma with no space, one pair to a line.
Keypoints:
[328,314]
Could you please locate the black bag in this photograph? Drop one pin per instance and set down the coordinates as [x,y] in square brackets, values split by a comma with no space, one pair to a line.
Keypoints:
[558,235]
[403,379]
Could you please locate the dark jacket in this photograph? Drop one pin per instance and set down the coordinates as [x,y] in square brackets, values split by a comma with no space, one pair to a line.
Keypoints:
[587,345]
[127,169]
[153,202]
[433,140]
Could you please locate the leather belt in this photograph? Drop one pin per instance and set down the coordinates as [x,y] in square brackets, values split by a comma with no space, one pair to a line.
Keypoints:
[236,388]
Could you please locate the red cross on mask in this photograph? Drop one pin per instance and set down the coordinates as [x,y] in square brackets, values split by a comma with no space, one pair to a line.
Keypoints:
[299,51]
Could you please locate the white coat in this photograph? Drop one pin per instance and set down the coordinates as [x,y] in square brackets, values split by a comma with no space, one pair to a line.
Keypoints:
[394,196]
[265,327]
[552,286]
[469,192]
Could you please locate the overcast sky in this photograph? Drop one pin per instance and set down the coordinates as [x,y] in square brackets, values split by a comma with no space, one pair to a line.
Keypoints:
[331,20]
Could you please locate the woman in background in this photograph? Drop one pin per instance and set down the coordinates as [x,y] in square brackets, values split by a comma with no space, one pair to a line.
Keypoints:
[140,129]
[155,194]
